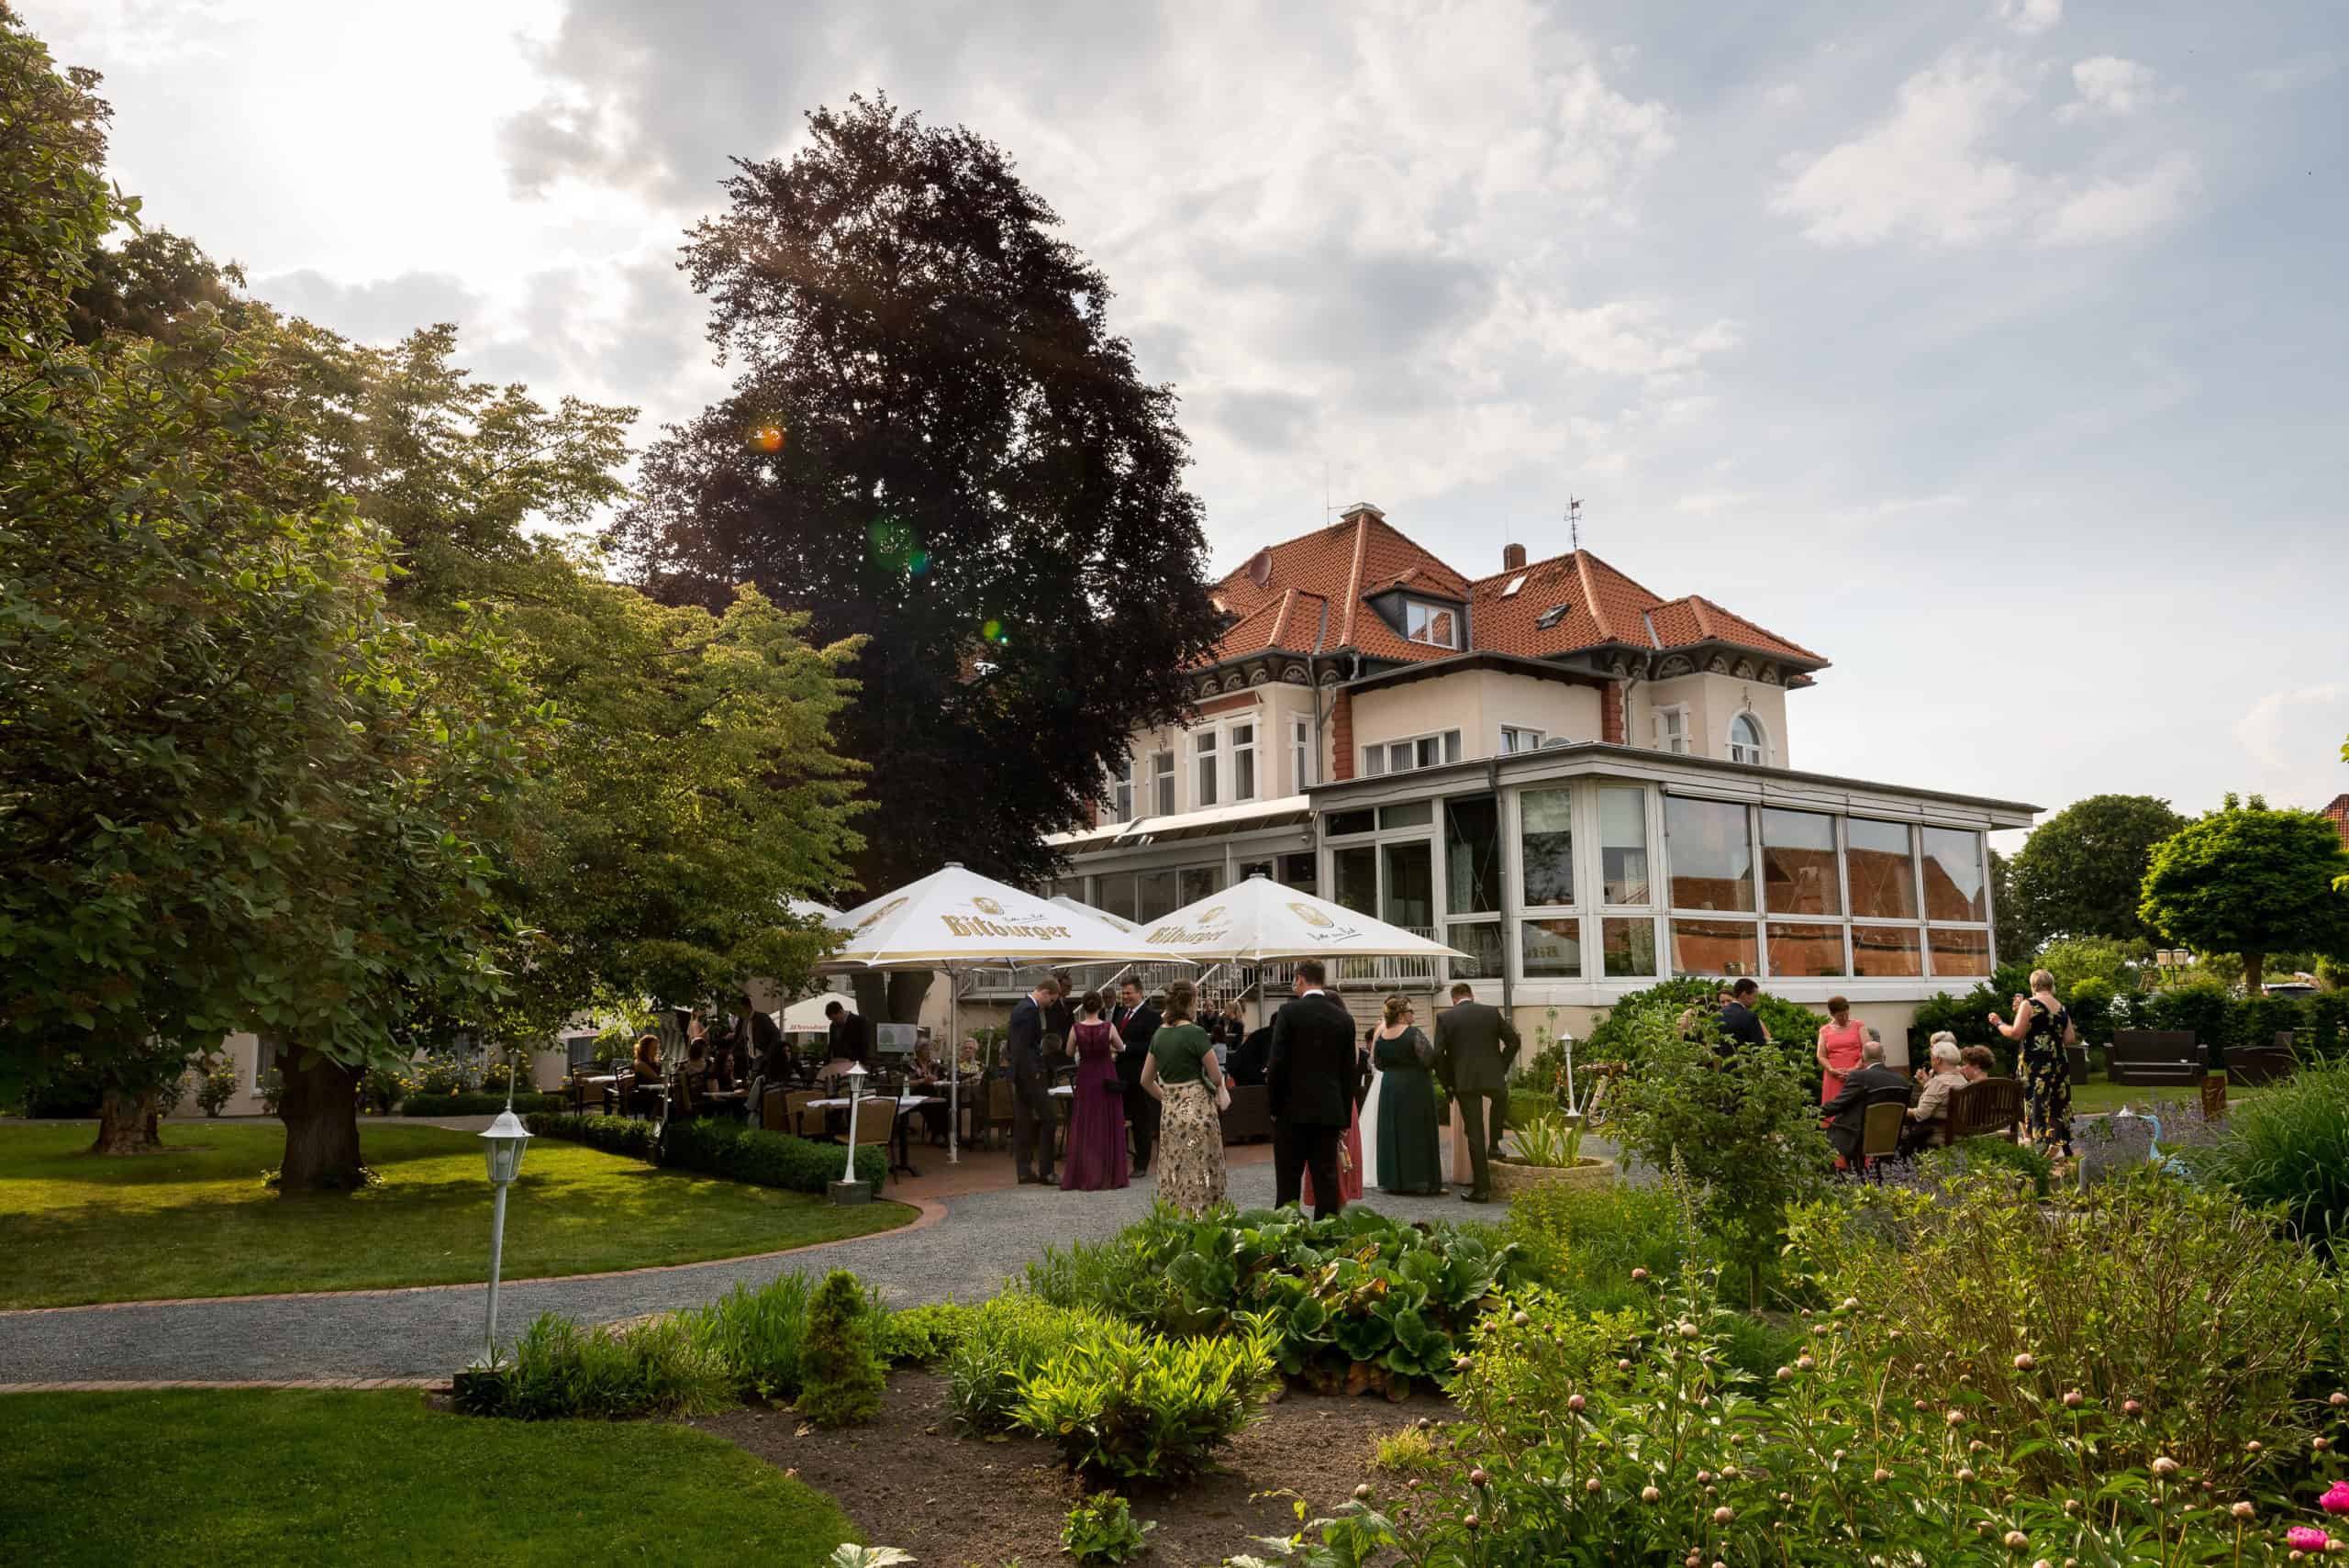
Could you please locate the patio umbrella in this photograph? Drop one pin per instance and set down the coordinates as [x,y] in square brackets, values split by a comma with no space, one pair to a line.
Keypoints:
[1261,920]
[956,919]
[1065,902]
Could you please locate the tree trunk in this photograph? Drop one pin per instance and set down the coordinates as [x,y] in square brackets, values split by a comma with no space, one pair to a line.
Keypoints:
[2254,965]
[319,1106]
[871,989]
[127,1124]
[891,996]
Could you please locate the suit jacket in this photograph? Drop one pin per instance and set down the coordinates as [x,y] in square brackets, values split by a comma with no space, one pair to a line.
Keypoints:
[852,1038]
[1024,1040]
[1310,1076]
[1254,1054]
[1474,1045]
[1134,1030]
[1863,1086]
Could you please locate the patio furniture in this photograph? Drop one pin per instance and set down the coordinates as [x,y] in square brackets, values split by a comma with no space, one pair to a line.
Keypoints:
[774,1112]
[1250,1116]
[1989,1109]
[2077,1058]
[2248,1064]
[1880,1126]
[999,1110]
[2142,1057]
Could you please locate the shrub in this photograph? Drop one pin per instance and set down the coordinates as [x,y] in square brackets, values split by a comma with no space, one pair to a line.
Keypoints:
[1124,1277]
[2328,1023]
[1405,1453]
[2201,1006]
[1940,1167]
[841,1375]
[271,1089]
[741,1153]
[1581,1244]
[2076,962]
[561,1371]
[922,1334]
[493,1076]
[2259,1020]
[2289,1147]
[1146,1406]
[381,1091]
[612,1134]
[1744,1129]
[482,1104]
[757,1335]
[1005,1340]
[2141,1289]
[1102,1529]
[216,1087]
[444,1072]
[2090,1004]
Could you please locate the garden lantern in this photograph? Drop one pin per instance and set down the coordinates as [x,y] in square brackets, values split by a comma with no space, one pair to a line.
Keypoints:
[855,1089]
[505,1139]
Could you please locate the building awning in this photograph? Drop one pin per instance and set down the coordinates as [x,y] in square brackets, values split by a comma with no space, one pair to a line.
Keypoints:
[1247,816]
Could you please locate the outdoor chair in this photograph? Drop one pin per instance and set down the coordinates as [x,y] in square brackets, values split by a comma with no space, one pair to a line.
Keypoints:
[1880,1131]
[876,1123]
[798,1118]
[775,1115]
[1990,1109]
[2248,1064]
[1250,1116]
[2146,1057]
[999,1116]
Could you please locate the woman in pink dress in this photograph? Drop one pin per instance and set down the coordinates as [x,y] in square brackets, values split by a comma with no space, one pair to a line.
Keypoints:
[1097,1112]
[1350,1149]
[1838,1047]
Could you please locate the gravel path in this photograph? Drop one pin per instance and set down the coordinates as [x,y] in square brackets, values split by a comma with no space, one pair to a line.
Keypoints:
[427,1332]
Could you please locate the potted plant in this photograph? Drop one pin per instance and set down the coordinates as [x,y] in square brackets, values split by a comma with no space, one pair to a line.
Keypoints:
[1549,1154]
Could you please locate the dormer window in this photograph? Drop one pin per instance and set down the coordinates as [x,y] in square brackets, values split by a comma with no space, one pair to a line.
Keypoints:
[1435,625]
[1746,742]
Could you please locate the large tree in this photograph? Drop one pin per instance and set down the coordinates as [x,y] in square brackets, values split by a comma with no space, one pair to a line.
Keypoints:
[2080,873]
[936,443]
[2246,879]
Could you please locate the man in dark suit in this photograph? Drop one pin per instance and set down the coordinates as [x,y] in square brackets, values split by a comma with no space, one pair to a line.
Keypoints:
[852,1035]
[1741,1025]
[1249,1062]
[1136,1021]
[1871,1082]
[1032,1098]
[1475,1046]
[769,1056]
[1309,1085]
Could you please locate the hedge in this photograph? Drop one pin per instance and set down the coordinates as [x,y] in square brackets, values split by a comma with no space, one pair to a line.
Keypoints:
[476,1104]
[2218,1021]
[718,1149]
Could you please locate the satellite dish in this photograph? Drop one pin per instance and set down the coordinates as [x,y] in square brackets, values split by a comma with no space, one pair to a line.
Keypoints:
[1260,567]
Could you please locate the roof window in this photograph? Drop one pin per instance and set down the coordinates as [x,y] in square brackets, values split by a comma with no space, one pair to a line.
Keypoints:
[1552,616]
[1514,584]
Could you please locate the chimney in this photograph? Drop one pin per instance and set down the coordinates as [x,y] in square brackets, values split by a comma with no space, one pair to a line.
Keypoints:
[1357,509]
[1512,558]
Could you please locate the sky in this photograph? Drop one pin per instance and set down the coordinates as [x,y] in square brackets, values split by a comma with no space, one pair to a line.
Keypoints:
[1994,349]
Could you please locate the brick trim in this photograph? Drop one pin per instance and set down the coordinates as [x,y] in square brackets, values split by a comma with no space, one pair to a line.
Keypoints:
[1342,736]
[1611,713]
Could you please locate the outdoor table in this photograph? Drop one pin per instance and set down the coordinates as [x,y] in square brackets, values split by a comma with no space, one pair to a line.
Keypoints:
[904,1162]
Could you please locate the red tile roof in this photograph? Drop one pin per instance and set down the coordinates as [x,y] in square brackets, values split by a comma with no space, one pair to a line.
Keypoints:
[1279,594]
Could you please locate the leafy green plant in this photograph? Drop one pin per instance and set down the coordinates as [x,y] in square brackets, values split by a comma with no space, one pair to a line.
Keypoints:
[444,1072]
[380,1089]
[2288,1146]
[759,1336]
[1406,1452]
[1101,1528]
[563,1370]
[714,1148]
[1007,1339]
[922,1334]
[1551,1142]
[1582,1243]
[1147,1406]
[840,1375]
[270,1089]
[2022,1159]
[848,1554]
[216,1087]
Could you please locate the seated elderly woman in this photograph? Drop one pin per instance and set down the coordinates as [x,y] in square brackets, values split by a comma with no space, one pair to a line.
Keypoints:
[1925,1118]
[1978,1062]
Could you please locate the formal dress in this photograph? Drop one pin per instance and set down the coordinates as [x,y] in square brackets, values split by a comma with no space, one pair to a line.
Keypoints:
[1190,1134]
[1096,1156]
[2047,1080]
[1370,1108]
[1410,1159]
[1349,1154]
[1842,1049]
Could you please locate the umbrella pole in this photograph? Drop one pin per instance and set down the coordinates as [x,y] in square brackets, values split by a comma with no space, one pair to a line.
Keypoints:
[954,1068]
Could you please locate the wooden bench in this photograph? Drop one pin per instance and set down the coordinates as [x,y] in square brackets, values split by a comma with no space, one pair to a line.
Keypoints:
[1990,1107]
[2141,1056]
[2262,1064]
[1251,1115]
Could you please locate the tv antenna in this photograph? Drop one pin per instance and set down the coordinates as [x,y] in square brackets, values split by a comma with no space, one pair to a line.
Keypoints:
[1574,524]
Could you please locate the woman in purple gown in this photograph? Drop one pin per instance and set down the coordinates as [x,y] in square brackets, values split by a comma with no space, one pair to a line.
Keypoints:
[1096,1122]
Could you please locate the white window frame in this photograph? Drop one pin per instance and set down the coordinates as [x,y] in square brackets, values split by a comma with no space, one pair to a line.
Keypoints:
[1235,748]
[1419,622]
[1731,748]
[1301,757]
[1447,742]
[1162,781]
[1665,739]
[1121,791]
[1516,739]
[1207,772]
[265,1052]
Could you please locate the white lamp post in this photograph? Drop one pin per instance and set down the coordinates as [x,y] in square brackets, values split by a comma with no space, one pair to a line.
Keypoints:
[855,1088]
[506,1136]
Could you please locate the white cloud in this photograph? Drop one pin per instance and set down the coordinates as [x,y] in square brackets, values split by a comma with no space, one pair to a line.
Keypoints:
[2122,209]
[1924,170]
[2292,75]
[2108,85]
[2030,17]
[2293,738]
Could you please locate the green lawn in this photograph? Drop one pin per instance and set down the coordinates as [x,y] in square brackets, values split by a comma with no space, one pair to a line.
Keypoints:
[2100,1094]
[196,1221]
[353,1479]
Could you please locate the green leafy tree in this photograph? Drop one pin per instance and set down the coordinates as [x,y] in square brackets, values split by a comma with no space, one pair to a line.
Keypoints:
[936,443]
[2079,873]
[2246,879]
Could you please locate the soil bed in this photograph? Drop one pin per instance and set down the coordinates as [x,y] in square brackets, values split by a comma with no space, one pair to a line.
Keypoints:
[908,1481]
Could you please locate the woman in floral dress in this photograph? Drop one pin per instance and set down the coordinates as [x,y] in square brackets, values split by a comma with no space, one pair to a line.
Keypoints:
[2043,1028]
[1183,1075]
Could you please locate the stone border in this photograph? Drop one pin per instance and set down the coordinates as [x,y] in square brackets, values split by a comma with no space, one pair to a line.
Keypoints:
[926,1213]
[339,1384]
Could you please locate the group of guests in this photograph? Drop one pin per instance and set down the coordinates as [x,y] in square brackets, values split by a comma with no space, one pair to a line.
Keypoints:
[1852,1074]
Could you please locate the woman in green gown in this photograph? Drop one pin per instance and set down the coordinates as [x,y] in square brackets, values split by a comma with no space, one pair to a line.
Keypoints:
[1408,1159]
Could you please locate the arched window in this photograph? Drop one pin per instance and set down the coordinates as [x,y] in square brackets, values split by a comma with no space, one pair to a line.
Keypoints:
[1746,742]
